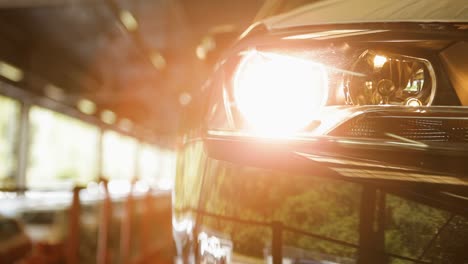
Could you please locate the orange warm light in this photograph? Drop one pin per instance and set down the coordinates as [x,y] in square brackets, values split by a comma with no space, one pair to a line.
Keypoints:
[279,94]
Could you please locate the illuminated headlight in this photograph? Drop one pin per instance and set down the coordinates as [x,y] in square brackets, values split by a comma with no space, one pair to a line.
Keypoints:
[279,94]
[285,93]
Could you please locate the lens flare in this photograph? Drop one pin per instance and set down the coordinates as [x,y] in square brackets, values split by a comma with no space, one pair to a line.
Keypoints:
[279,94]
[379,61]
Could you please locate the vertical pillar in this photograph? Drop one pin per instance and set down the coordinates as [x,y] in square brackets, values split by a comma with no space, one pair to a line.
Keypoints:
[380,225]
[23,145]
[147,216]
[277,243]
[104,227]
[126,228]
[371,226]
[73,243]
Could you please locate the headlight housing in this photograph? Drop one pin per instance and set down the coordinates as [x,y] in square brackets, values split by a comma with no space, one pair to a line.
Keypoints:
[393,97]
[284,92]
[390,79]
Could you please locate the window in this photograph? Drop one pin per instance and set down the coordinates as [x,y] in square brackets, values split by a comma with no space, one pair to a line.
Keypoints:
[167,170]
[63,150]
[119,156]
[9,123]
[149,163]
[157,166]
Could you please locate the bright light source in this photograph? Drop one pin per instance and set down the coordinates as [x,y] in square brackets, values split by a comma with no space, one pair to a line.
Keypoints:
[379,61]
[158,60]
[128,20]
[119,187]
[185,98]
[200,52]
[86,106]
[207,44]
[54,92]
[108,117]
[126,124]
[413,102]
[10,72]
[279,94]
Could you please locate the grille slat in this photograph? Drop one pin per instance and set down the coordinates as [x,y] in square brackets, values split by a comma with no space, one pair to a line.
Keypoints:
[438,129]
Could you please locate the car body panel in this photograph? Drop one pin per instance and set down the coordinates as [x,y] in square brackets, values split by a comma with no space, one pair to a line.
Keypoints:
[327,197]
[369,11]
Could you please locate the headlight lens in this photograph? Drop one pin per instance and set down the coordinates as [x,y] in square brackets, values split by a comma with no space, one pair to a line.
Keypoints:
[279,94]
[391,80]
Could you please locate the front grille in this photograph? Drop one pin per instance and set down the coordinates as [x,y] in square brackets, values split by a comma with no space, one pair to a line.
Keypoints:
[433,129]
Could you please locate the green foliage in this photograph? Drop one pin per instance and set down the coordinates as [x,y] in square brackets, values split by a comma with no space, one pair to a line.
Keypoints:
[411,226]
[317,205]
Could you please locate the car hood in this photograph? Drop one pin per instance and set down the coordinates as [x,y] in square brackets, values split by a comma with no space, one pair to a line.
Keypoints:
[371,11]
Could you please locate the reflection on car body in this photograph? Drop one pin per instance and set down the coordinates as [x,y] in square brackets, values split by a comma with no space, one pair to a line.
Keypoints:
[333,137]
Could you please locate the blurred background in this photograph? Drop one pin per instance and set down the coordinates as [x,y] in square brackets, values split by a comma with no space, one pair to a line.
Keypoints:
[92,94]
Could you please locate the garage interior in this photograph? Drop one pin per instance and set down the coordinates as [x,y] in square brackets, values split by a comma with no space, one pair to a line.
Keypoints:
[92,96]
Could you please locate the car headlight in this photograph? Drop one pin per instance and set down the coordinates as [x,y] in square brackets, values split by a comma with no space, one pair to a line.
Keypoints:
[285,93]
[391,79]
[342,99]
[278,94]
